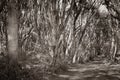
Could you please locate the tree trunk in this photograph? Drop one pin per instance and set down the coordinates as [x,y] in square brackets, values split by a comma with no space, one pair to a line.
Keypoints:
[12,32]
[12,39]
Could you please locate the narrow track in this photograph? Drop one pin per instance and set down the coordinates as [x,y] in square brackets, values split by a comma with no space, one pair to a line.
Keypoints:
[90,71]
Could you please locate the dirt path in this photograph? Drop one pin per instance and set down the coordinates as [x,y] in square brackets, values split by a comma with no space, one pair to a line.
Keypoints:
[91,71]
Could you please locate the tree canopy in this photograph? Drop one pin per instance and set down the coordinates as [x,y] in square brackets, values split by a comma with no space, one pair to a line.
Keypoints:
[53,33]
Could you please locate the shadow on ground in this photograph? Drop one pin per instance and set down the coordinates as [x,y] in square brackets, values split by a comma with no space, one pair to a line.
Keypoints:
[90,71]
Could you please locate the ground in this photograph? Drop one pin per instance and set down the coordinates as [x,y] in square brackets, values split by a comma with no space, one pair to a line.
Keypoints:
[94,70]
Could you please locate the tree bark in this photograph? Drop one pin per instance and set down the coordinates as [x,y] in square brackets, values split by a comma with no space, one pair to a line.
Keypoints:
[12,31]
[12,39]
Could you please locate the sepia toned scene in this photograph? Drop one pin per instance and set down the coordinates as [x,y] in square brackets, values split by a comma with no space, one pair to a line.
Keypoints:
[59,39]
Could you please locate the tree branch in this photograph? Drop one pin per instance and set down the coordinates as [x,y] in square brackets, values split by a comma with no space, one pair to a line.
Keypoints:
[2,4]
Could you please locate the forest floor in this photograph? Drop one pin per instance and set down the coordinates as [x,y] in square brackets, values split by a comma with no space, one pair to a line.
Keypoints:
[95,70]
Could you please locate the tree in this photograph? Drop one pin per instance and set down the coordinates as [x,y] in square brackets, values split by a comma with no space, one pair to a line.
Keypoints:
[12,31]
[12,38]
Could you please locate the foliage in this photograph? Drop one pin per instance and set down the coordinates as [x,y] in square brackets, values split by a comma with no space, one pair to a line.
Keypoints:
[53,33]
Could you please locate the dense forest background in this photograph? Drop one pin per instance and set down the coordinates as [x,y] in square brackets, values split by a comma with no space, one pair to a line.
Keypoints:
[48,35]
